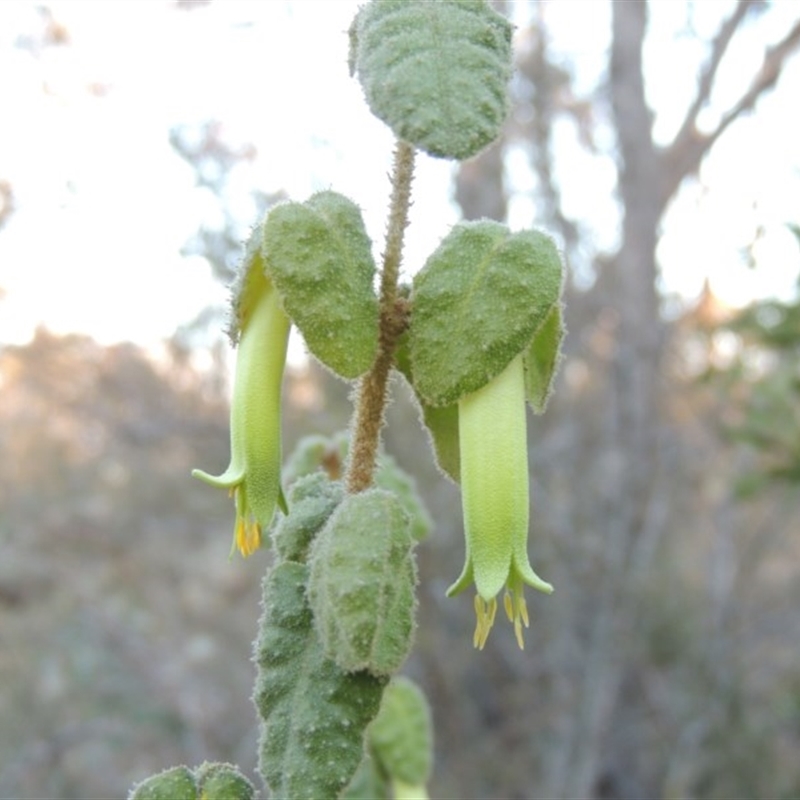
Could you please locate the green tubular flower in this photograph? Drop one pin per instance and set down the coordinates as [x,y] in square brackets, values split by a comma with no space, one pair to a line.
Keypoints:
[253,476]
[494,487]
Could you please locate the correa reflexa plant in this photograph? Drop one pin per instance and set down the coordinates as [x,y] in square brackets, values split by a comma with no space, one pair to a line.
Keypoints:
[476,334]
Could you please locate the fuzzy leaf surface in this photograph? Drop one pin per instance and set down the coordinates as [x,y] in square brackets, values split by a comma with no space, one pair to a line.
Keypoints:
[441,423]
[177,783]
[218,781]
[435,73]
[314,715]
[312,499]
[542,359]
[368,783]
[362,581]
[320,258]
[476,305]
[329,454]
[401,736]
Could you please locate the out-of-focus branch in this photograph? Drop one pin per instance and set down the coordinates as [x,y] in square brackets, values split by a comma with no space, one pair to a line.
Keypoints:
[547,81]
[632,116]
[625,510]
[6,202]
[766,79]
[684,155]
[719,47]
[480,189]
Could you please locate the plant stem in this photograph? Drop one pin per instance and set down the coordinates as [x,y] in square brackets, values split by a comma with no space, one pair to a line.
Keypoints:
[372,390]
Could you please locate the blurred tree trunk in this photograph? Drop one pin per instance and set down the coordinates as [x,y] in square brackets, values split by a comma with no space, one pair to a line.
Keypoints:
[633,419]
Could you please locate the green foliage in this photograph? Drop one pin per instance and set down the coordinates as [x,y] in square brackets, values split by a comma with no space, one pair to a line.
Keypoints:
[362,582]
[542,359]
[477,304]
[207,782]
[401,736]
[177,783]
[390,476]
[435,73]
[313,713]
[246,286]
[399,755]
[320,258]
[223,782]
[369,782]
[329,454]
[771,426]
[480,329]
[316,453]
[766,369]
[313,499]
[440,423]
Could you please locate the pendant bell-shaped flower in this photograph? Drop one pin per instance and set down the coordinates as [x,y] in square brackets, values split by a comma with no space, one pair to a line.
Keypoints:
[253,476]
[494,491]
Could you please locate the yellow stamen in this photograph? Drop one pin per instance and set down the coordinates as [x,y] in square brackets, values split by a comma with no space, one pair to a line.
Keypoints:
[508,606]
[485,613]
[517,612]
[248,536]
[523,608]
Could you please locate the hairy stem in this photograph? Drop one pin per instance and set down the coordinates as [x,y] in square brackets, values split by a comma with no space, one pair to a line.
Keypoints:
[371,397]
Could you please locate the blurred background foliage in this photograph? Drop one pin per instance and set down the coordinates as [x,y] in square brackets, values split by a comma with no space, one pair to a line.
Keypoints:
[665,485]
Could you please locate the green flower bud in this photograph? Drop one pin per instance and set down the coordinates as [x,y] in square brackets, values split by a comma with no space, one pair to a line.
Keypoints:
[253,476]
[494,486]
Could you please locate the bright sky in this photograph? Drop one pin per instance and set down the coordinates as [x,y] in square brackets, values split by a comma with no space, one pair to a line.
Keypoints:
[103,204]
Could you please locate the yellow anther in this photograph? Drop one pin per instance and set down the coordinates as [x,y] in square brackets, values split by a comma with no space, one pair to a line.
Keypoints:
[517,612]
[523,610]
[485,613]
[248,536]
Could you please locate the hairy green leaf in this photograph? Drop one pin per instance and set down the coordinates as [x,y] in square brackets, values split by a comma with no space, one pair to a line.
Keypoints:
[542,359]
[329,454]
[440,423]
[313,714]
[362,581]
[435,73]
[312,500]
[401,736]
[320,258]
[369,782]
[223,782]
[476,305]
[176,783]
